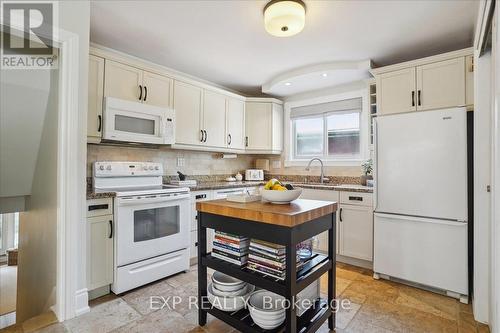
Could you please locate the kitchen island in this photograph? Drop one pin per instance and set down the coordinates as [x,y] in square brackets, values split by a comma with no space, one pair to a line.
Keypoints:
[287,225]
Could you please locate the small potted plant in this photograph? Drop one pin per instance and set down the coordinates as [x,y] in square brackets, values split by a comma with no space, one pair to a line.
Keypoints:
[367,171]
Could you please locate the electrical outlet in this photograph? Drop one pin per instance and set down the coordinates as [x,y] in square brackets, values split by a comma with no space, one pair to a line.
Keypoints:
[180,161]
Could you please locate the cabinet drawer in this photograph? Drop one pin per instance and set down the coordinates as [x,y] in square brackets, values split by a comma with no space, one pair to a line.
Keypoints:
[99,207]
[356,198]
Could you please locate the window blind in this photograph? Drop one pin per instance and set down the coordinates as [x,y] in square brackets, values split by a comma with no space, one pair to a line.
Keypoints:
[350,105]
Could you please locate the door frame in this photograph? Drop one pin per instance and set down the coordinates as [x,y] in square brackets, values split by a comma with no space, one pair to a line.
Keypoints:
[71,151]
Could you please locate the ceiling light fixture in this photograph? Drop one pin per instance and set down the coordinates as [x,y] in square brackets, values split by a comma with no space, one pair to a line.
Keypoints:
[288,84]
[324,75]
[284,18]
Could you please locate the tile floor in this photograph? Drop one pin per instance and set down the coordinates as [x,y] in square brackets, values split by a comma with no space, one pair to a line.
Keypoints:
[375,306]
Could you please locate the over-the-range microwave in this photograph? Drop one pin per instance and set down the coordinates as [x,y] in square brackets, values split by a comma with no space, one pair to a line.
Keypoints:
[128,121]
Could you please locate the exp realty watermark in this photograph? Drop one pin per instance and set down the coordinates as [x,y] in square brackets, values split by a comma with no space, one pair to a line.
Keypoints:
[191,302]
[29,29]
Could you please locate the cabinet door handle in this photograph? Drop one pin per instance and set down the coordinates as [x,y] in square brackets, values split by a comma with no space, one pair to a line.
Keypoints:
[140,92]
[340,214]
[110,229]
[419,98]
[206,135]
[413,98]
[246,141]
[202,135]
[99,123]
[229,139]
[145,93]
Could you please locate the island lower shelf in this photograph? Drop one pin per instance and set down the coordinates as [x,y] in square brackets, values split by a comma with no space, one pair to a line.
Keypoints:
[310,320]
[312,270]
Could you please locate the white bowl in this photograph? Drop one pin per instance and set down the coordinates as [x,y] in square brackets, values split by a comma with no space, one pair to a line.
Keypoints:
[266,309]
[281,197]
[225,282]
[240,292]
[228,303]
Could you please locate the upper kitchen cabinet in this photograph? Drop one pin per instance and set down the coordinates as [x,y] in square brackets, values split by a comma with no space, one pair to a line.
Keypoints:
[430,83]
[441,84]
[188,102]
[235,117]
[264,125]
[123,81]
[214,119]
[95,95]
[158,90]
[396,91]
[134,84]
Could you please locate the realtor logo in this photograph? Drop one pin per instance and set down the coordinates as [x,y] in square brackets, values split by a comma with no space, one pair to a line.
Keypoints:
[28,34]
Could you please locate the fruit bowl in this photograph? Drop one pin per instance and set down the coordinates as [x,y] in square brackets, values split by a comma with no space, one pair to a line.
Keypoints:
[280,197]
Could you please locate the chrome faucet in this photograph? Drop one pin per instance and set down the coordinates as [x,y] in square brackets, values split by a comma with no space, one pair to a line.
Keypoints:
[322,177]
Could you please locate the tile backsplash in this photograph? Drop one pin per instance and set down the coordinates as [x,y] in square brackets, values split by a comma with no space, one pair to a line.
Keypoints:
[195,163]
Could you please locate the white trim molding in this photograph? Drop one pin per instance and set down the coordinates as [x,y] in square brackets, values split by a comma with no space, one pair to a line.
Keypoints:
[71,191]
[81,302]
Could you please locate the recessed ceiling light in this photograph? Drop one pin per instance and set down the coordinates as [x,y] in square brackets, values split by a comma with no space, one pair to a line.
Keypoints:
[324,75]
[288,84]
[284,18]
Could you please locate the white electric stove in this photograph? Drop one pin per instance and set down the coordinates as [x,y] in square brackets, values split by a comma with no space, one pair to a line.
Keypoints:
[151,222]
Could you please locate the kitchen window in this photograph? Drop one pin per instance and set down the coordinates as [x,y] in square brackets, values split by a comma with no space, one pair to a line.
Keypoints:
[331,131]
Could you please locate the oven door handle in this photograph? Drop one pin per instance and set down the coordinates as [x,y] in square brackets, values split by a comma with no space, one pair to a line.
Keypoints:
[151,199]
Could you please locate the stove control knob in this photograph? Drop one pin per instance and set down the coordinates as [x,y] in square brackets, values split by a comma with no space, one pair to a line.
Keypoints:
[144,167]
[151,167]
[101,167]
[157,168]
[108,168]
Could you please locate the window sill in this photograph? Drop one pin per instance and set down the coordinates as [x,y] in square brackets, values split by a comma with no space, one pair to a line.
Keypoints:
[346,162]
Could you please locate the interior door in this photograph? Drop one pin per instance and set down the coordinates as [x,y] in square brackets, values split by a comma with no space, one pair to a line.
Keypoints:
[95,100]
[421,164]
[356,231]
[122,81]
[258,125]
[396,91]
[188,105]
[158,90]
[441,84]
[214,119]
[235,123]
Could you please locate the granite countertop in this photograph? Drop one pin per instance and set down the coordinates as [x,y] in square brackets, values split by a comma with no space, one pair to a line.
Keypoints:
[219,185]
[93,195]
[334,187]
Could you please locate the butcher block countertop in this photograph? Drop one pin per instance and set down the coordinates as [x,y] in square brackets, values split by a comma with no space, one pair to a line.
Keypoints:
[297,212]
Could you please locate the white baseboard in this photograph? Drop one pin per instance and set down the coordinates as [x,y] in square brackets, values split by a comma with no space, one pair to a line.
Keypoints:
[355,262]
[7,319]
[81,302]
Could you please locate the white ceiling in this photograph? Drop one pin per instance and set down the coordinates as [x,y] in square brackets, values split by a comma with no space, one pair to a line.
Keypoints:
[225,41]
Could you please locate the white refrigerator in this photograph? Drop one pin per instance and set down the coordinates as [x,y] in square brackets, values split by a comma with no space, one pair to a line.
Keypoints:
[420,220]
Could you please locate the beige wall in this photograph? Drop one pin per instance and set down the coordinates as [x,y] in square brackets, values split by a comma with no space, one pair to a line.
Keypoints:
[36,281]
[195,163]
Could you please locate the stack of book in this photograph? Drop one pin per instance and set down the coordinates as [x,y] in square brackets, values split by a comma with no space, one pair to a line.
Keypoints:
[268,258]
[230,248]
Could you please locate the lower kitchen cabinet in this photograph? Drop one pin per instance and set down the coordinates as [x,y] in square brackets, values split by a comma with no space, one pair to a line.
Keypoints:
[197,196]
[356,231]
[321,241]
[354,223]
[100,246]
